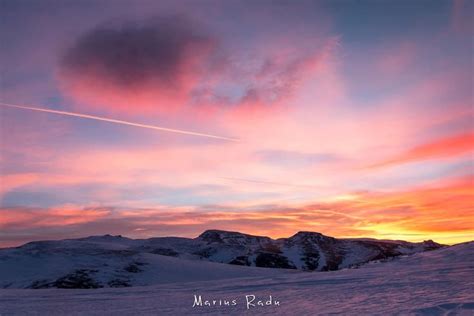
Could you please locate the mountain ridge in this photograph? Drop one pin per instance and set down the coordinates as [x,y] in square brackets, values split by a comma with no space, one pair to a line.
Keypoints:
[111,237]
[117,261]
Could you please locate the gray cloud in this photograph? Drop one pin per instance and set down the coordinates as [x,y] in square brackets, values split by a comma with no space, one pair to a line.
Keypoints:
[159,55]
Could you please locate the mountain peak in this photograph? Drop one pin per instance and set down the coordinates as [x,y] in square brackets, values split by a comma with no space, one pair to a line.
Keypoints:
[215,235]
[307,235]
[106,237]
[307,232]
[430,244]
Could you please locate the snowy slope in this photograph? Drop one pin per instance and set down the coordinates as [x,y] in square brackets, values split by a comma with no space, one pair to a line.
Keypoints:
[115,261]
[95,262]
[439,282]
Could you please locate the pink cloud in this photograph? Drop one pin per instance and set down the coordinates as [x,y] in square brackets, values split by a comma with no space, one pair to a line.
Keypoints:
[12,181]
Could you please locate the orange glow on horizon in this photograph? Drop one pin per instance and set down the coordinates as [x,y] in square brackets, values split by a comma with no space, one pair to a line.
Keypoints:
[415,215]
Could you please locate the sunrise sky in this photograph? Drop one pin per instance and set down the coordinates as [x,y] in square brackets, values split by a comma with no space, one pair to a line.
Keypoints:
[352,118]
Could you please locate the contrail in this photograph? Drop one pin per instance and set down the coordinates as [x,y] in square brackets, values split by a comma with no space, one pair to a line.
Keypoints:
[104,119]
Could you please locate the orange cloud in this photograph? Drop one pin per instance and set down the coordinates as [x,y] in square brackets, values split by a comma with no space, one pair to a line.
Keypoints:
[443,211]
[438,149]
[29,217]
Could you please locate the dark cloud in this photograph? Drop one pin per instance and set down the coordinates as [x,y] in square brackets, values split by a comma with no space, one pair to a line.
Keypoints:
[161,57]
[132,53]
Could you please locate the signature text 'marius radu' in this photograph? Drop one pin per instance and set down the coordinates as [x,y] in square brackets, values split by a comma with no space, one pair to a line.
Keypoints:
[250,301]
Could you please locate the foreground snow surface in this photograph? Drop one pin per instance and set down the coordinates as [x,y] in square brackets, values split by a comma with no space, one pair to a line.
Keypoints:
[439,282]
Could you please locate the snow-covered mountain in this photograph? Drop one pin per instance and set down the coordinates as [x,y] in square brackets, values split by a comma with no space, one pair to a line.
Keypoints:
[115,261]
[438,282]
[305,250]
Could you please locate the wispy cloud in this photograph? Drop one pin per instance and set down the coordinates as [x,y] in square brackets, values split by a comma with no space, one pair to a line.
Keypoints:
[444,147]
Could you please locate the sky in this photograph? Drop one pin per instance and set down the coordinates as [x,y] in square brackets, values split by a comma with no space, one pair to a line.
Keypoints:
[349,118]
